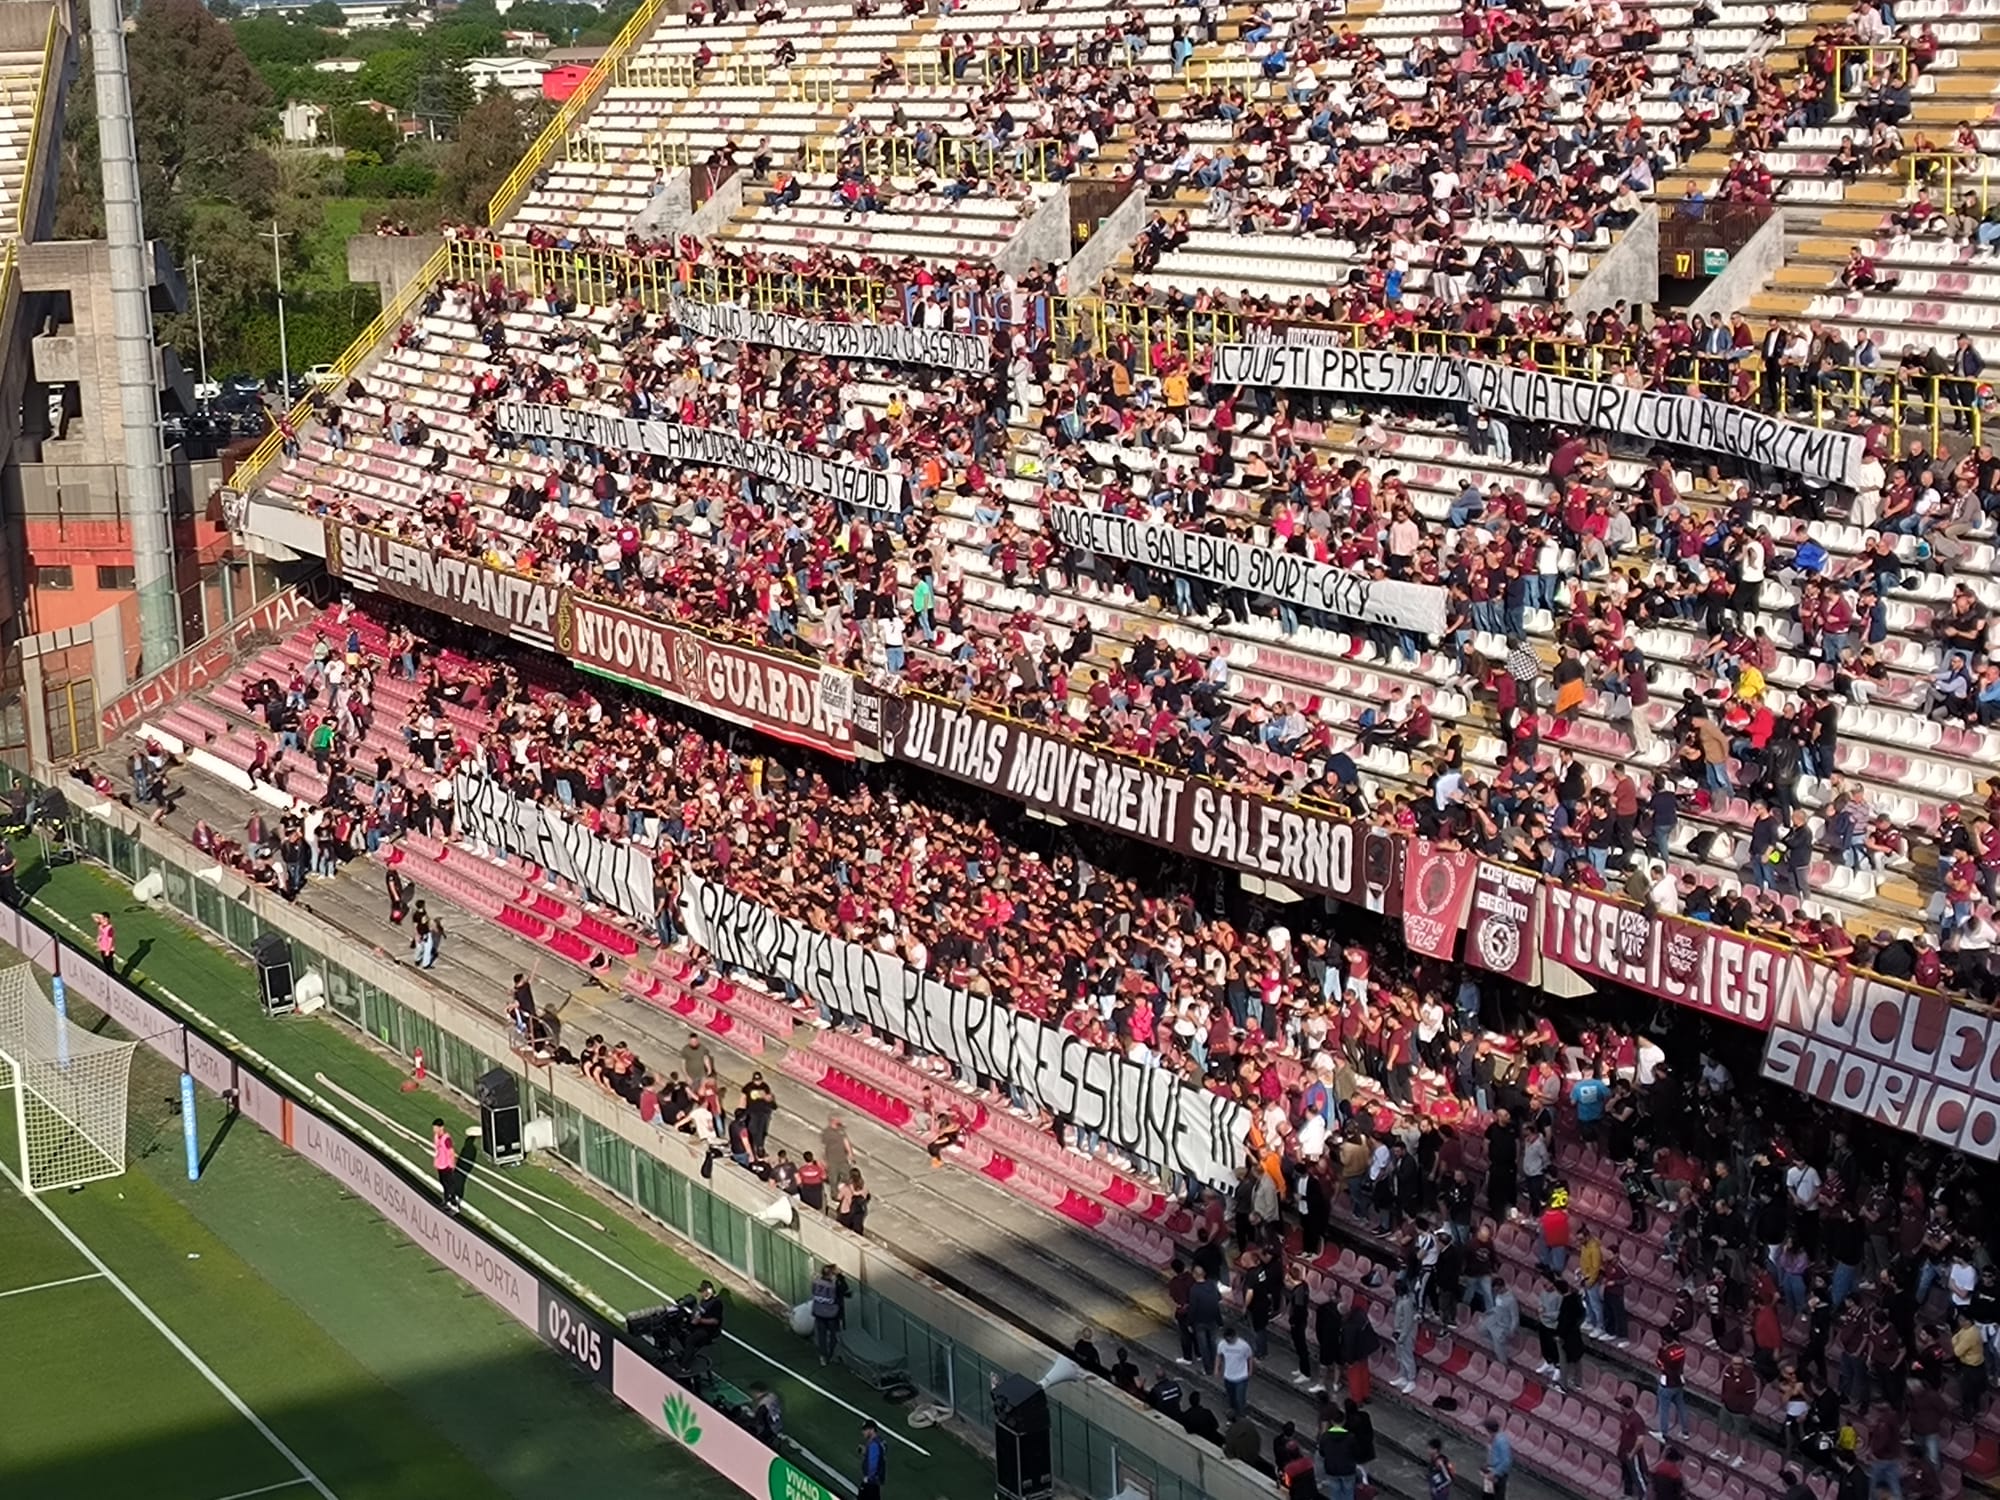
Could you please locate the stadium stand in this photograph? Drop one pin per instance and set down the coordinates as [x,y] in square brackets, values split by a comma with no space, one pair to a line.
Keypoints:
[1744,695]
[20,84]
[1104,1195]
[1903,754]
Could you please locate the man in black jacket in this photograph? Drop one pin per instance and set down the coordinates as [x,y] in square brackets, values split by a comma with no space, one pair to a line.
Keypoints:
[1336,1455]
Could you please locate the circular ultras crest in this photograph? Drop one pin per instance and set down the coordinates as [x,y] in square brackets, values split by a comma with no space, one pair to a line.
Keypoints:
[1434,890]
[1499,945]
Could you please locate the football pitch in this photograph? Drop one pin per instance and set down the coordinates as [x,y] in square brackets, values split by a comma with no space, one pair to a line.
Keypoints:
[101,1393]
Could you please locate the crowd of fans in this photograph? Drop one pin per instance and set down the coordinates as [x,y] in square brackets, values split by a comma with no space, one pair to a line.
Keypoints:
[1726,578]
[1414,1104]
[1405,1102]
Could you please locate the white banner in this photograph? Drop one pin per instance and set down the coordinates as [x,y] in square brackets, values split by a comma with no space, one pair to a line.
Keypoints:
[1537,396]
[856,484]
[1148,1111]
[1225,561]
[619,875]
[888,343]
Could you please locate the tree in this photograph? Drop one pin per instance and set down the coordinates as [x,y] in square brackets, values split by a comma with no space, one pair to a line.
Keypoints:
[326,14]
[267,39]
[79,175]
[492,137]
[198,107]
[444,94]
[360,129]
[391,76]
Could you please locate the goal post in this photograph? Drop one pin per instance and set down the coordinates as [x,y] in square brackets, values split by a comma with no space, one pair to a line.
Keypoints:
[69,1086]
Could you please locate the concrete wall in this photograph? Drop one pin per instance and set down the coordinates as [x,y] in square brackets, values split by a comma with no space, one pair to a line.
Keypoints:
[1749,270]
[389,260]
[671,205]
[722,206]
[1117,230]
[871,1265]
[1628,273]
[110,668]
[83,350]
[24,25]
[1042,240]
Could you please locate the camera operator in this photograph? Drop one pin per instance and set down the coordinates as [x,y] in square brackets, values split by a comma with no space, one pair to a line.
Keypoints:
[705,1315]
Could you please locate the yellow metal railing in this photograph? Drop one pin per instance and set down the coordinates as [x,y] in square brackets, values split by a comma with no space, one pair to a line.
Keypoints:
[678,70]
[1137,331]
[586,148]
[38,107]
[1003,62]
[663,151]
[1128,331]
[813,86]
[1204,71]
[251,470]
[1947,170]
[672,70]
[574,108]
[897,156]
[1863,57]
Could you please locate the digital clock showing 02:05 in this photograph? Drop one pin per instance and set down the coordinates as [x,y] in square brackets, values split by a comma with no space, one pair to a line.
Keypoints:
[578,1333]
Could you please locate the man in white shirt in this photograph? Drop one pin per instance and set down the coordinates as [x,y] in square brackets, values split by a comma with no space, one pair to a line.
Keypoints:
[1664,894]
[1802,1180]
[1235,1362]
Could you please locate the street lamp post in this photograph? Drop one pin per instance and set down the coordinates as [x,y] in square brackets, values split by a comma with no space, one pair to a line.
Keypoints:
[200,335]
[284,349]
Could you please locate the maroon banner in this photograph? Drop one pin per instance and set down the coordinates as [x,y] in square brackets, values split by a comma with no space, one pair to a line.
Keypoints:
[1912,1059]
[1501,932]
[1437,889]
[1695,964]
[208,662]
[460,588]
[783,696]
[1301,847]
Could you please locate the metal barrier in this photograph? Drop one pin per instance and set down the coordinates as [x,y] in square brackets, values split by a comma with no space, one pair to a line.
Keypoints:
[1947,170]
[898,156]
[813,86]
[586,147]
[681,70]
[668,70]
[1860,59]
[1135,333]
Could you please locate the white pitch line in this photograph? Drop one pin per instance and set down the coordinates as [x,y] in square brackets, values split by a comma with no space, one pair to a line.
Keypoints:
[513,1191]
[662,1293]
[49,1286]
[201,1368]
[269,1489]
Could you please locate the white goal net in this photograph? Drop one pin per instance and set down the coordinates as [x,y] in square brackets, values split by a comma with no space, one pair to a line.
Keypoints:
[69,1088]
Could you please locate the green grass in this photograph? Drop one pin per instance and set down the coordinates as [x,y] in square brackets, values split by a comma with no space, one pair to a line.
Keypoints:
[342,220]
[383,1374]
[620,1259]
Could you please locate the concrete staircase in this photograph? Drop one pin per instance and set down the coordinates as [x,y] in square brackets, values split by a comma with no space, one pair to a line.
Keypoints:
[1822,240]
